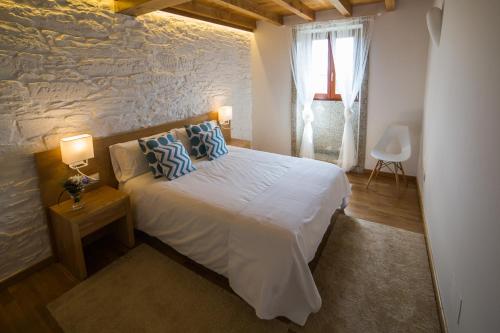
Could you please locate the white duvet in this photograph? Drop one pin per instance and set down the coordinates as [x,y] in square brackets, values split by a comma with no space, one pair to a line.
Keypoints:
[256,218]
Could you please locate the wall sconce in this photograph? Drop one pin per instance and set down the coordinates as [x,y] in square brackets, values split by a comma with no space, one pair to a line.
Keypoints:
[225,116]
[76,151]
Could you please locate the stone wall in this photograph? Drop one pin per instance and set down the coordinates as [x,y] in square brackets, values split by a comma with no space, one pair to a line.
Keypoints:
[69,67]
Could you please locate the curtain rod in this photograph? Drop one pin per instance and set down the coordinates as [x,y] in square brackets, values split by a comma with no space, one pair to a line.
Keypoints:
[313,25]
[318,30]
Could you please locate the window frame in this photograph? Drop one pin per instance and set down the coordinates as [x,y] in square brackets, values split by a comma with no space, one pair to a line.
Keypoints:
[330,95]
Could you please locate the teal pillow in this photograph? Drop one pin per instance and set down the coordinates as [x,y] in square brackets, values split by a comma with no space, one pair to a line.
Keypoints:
[148,145]
[174,160]
[198,148]
[215,143]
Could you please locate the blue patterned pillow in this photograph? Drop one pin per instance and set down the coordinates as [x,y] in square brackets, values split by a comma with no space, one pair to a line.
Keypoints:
[174,159]
[215,143]
[198,149]
[148,144]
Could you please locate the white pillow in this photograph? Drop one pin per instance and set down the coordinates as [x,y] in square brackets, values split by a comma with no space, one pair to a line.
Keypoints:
[128,160]
[214,123]
[181,135]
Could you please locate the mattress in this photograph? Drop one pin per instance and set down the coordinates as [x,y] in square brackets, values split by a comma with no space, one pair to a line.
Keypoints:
[255,217]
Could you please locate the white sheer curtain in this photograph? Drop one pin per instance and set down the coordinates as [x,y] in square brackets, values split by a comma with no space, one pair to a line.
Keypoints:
[350,40]
[302,69]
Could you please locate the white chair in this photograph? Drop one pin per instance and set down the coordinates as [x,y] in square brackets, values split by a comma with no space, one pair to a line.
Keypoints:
[395,138]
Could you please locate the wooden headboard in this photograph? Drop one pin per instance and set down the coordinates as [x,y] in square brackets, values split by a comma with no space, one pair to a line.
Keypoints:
[52,172]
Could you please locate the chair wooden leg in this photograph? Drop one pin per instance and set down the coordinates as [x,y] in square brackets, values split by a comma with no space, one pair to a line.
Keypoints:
[403,172]
[381,165]
[396,175]
[371,175]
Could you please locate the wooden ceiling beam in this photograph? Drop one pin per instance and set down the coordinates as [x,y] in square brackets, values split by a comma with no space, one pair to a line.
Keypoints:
[390,5]
[203,12]
[298,8]
[249,8]
[141,7]
[343,6]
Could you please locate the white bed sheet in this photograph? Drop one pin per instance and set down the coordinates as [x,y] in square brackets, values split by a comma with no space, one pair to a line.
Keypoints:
[255,217]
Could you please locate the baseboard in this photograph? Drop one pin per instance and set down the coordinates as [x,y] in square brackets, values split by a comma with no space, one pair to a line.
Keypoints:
[25,272]
[389,174]
[442,318]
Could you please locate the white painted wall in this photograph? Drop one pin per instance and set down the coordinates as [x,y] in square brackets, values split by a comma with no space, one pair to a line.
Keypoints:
[271,88]
[398,63]
[460,158]
[396,76]
[74,66]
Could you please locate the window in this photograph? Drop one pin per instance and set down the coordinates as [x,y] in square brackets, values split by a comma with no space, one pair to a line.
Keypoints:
[325,78]
[324,71]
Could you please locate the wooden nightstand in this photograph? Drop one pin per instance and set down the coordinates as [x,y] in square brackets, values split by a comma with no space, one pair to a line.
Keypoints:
[240,143]
[103,206]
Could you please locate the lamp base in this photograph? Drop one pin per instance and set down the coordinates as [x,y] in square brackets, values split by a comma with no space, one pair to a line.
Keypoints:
[225,124]
[79,164]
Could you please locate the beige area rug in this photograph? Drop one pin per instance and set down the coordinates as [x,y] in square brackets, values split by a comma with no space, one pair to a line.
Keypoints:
[372,278]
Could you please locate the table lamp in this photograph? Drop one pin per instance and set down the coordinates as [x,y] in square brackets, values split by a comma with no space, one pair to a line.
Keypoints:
[225,116]
[76,151]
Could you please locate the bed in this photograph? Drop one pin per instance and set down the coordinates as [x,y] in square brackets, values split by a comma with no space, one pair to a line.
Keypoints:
[255,217]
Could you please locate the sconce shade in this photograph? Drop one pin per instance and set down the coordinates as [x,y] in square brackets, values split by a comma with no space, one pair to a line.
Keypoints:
[225,113]
[76,148]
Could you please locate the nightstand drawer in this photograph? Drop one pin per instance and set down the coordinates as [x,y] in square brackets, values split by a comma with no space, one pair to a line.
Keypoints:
[103,217]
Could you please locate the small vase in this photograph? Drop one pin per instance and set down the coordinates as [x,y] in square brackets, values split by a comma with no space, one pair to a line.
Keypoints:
[77,200]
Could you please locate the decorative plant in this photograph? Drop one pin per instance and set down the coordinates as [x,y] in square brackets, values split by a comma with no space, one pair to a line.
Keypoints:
[74,186]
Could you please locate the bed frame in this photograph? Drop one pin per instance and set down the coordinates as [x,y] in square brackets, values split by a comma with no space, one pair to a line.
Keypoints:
[52,172]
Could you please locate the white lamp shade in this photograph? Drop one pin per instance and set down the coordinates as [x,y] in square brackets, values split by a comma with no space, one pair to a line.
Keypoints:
[76,148]
[225,113]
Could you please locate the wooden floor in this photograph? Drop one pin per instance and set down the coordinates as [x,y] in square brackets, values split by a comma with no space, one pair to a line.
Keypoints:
[22,305]
[383,204]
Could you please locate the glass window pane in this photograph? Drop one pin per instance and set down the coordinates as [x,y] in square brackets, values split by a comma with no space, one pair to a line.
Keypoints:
[320,65]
